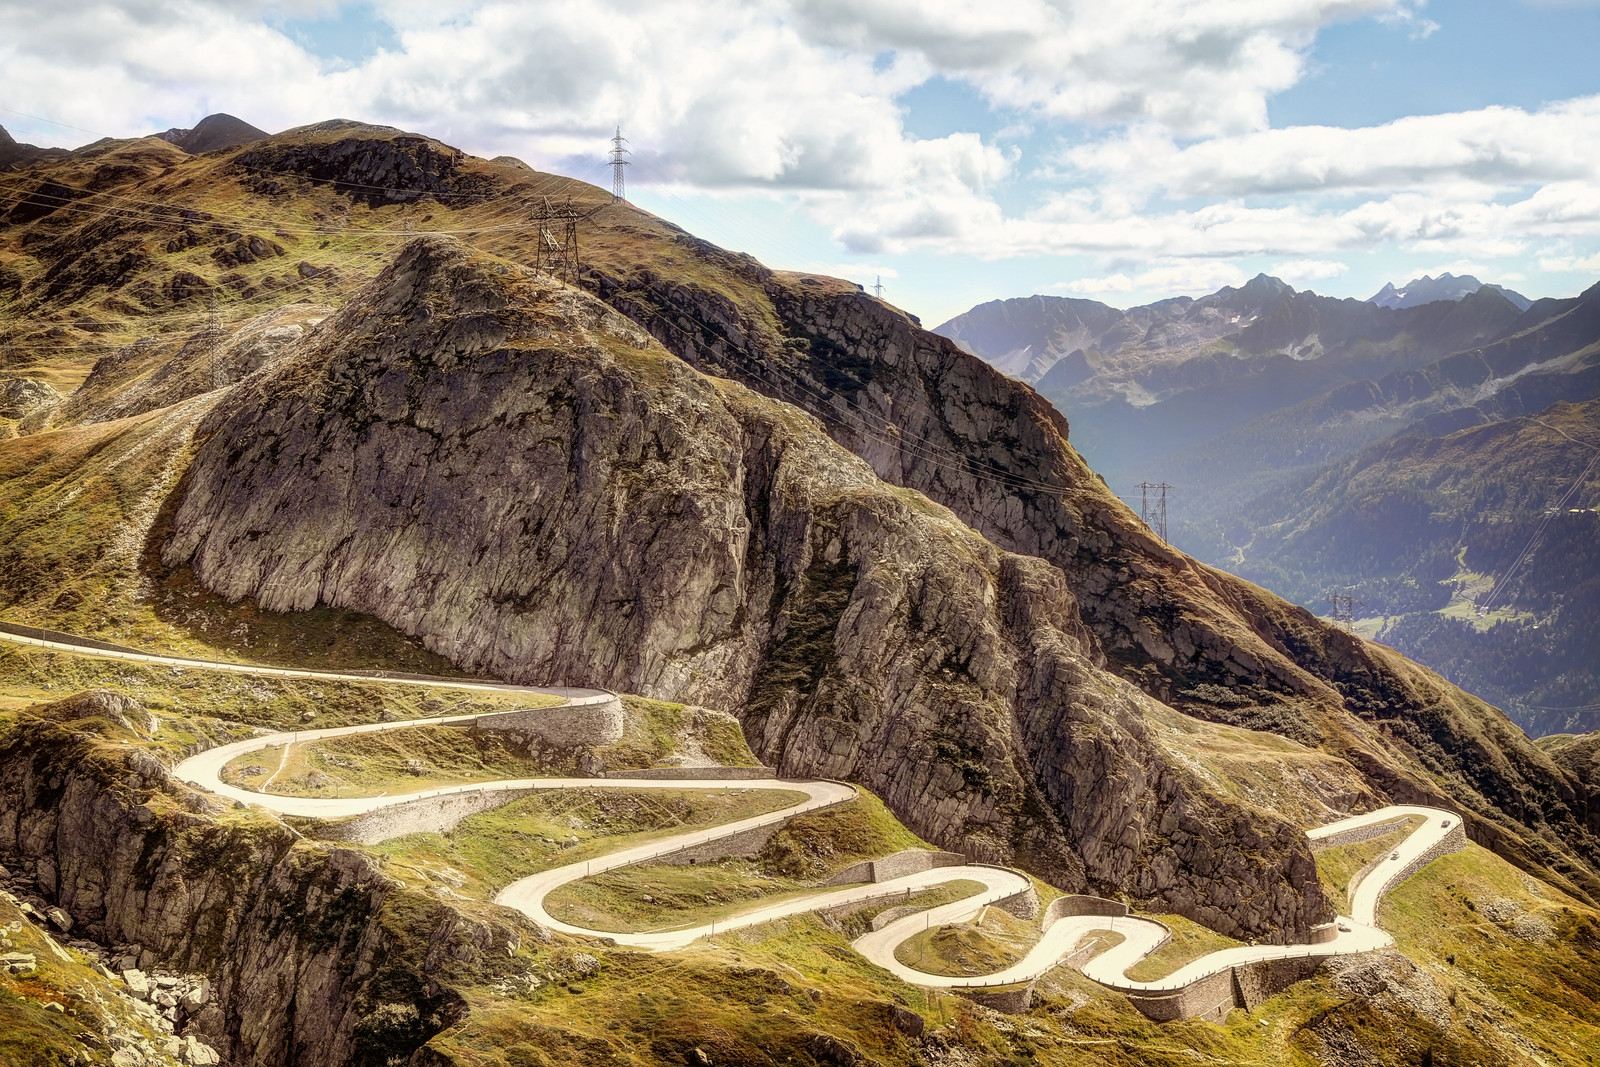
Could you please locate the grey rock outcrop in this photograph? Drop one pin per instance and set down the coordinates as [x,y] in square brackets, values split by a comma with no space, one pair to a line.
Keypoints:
[931,417]
[21,397]
[520,476]
[287,930]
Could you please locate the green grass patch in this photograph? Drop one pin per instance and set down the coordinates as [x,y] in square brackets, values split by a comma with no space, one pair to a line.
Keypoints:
[194,705]
[390,761]
[663,897]
[1189,942]
[821,842]
[1497,936]
[859,921]
[490,850]
[658,732]
[991,942]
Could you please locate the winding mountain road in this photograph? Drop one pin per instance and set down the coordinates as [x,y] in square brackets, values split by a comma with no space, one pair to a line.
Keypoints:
[1355,934]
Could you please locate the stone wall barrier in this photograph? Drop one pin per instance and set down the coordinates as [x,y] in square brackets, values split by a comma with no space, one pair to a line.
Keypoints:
[1080,904]
[1012,1000]
[1356,834]
[735,846]
[911,861]
[435,814]
[573,725]
[698,774]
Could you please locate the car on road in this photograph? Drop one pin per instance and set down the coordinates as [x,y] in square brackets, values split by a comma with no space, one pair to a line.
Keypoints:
[1395,854]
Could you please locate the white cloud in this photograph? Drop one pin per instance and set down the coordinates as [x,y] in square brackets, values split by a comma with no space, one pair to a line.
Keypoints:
[1197,68]
[800,98]
[1495,146]
[1171,277]
[1300,272]
[1571,264]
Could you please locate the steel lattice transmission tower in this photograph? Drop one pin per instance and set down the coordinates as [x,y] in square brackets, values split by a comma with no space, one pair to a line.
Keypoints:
[1155,516]
[619,190]
[556,250]
[877,287]
[1344,607]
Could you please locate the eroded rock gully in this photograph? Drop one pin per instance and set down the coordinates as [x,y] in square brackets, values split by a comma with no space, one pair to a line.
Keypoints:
[928,416]
[525,479]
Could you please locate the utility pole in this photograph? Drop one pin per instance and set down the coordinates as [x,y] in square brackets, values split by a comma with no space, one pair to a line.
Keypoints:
[556,250]
[1154,517]
[877,287]
[1344,607]
[213,313]
[618,185]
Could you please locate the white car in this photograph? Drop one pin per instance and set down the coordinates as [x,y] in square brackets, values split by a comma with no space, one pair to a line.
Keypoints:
[1395,854]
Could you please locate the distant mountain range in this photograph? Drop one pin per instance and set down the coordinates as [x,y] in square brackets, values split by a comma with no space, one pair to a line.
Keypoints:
[208,135]
[1447,286]
[1278,414]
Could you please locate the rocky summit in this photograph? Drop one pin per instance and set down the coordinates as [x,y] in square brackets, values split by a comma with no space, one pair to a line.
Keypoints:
[331,525]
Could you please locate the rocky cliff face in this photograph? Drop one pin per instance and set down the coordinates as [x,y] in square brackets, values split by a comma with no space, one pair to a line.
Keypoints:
[523,477]
[309,948]
[931,417]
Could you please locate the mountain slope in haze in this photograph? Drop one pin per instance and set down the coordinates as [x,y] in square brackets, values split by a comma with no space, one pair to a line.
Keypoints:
[1272,459]
[926,416]
[1426,530]
[1164,383]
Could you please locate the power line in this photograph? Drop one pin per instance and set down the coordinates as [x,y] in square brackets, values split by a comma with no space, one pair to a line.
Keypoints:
[619,191]
[1486,605]
[1344,607]
[1154,516]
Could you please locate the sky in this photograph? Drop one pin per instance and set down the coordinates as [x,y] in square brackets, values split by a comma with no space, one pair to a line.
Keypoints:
[957,150]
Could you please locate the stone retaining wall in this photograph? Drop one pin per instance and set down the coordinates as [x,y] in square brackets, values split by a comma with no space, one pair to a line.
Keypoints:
[698,774]
[1012,1000]
[565,726]
[1210,998]
[1255,982]
[742,845]
[427,815]
[1080,904]
[1453,841]
[911,861]
[1355,834]
[59,638]
[1323,933]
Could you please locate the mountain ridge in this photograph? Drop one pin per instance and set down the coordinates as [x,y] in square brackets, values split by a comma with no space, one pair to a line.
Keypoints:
[1446,286]
[927,418]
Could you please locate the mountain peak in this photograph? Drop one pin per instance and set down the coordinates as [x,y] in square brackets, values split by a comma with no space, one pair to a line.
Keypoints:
[6,138]
[212,133]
